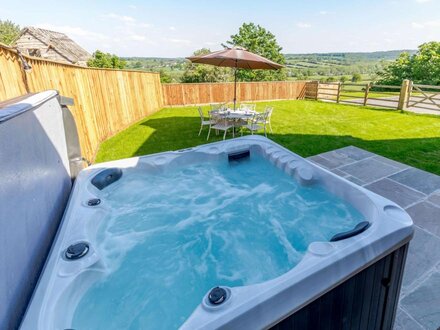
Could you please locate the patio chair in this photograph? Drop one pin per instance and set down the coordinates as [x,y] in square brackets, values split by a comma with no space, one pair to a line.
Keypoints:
[258,122]
[220,124]
[203,121]
[269,110]
[248,106]
[217,106]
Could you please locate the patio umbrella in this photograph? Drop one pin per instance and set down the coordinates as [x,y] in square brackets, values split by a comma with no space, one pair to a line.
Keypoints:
[237,58]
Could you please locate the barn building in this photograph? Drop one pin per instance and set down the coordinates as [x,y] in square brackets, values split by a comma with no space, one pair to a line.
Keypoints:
[51,45]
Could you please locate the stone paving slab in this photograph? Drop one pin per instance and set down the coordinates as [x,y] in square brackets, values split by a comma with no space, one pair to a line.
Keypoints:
[396,192]
[327,163]
[354,180]
[369,170]
[426,216]
[340,173]
[332,160]
[423,256]
[354,153]
[391,162]
[423,302]
[422,181]
[419,193]
[404,322]
[435,199]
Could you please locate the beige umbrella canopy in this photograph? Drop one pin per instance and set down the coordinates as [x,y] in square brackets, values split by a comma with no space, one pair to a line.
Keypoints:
[237,58]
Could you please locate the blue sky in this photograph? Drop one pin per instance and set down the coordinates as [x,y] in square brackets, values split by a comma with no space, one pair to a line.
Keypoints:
[170,28]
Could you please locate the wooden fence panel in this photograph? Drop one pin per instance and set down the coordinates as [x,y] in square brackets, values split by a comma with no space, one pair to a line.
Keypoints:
[11,80]
[311,91]
[328,91]
[106,101]
[205,93]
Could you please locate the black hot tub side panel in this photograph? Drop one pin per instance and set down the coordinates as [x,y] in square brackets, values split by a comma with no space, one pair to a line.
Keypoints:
[366,301]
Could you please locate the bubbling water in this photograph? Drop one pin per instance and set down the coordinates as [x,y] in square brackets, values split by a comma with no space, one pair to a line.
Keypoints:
[170,237]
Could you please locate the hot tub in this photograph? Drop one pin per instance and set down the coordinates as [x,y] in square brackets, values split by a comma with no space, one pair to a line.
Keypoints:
[239,234]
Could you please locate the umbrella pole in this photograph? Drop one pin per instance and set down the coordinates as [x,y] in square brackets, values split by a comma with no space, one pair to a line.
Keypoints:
[235,84]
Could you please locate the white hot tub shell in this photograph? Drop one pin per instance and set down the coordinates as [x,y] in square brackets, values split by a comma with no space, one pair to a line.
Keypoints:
[324,267]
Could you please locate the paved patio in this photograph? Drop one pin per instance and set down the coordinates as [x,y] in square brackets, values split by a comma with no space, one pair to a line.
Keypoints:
[418,192]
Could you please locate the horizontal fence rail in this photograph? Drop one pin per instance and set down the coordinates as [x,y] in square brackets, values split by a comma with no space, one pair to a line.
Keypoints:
[105,101]
[205,93]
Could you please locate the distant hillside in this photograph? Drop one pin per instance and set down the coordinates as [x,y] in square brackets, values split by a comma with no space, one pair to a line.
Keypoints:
[327,65]
[299,66]
[361,56]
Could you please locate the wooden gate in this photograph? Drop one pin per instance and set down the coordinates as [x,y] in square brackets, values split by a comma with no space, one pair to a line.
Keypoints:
[425,97]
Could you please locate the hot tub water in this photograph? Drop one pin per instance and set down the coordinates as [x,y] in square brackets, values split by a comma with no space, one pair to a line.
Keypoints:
[172,236]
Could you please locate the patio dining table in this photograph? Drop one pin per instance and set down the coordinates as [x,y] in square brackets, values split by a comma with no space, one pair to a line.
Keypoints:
[238,118]
[235,114]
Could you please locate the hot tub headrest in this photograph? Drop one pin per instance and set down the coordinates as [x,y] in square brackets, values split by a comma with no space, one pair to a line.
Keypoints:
[360,228]
[106,177]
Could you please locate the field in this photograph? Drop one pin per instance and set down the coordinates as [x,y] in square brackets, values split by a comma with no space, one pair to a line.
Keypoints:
[331,66]
[305,127]
[337,65]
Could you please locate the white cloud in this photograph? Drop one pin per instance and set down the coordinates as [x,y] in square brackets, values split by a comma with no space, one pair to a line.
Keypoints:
[427,24]
[132,7]
[122,18]
[417,25]
[323,12]
[145,25]
[303,25]
[179,41]
[422,1]
[172,28]
[137,37]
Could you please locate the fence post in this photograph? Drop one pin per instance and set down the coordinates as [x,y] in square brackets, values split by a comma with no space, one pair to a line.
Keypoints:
[339,92]
[367,90]
[316,89]
[410,89]
[404,95]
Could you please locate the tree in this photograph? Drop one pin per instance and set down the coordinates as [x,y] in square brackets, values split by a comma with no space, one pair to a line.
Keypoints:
[165,77]
[356,77]
[9,32]
[397,71]
[330,79]
[343,79]
[258,40]
[196,73]
[422,68]
[426,64]
[137,65]
[106,60]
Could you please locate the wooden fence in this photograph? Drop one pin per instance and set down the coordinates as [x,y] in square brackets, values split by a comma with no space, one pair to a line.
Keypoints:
[385,96]
[106,101]
[424,97]
[204,93]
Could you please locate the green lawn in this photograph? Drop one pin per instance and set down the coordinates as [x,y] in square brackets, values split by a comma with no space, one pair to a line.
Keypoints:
[305,127]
